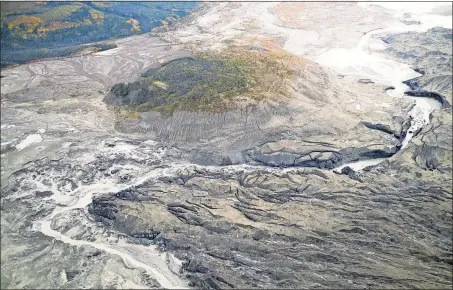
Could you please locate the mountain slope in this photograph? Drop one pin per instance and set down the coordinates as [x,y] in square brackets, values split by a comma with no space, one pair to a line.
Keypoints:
[31,30]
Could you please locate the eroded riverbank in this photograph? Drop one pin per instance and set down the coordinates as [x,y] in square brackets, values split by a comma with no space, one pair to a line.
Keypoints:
[171,203]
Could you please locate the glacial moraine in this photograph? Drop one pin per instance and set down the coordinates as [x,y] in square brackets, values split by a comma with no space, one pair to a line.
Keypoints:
[199,198]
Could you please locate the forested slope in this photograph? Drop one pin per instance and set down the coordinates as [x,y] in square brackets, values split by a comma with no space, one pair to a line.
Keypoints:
[32,30]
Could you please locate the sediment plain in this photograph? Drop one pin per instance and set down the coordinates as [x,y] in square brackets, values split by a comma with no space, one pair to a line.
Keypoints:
[267,186]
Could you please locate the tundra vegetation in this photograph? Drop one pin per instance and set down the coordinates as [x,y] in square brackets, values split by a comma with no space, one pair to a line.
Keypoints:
[206,82]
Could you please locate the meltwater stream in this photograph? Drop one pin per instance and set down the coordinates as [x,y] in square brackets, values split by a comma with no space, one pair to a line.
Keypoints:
[357,61]
[362,62]
[156,266]
[147,258]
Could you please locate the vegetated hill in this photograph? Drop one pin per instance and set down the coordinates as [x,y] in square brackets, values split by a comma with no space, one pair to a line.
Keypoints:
[203,83]
[31,30]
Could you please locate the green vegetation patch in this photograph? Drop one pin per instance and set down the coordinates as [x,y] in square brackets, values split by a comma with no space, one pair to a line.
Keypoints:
[27,27]
[209,83]
[22,56]
[60,12]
